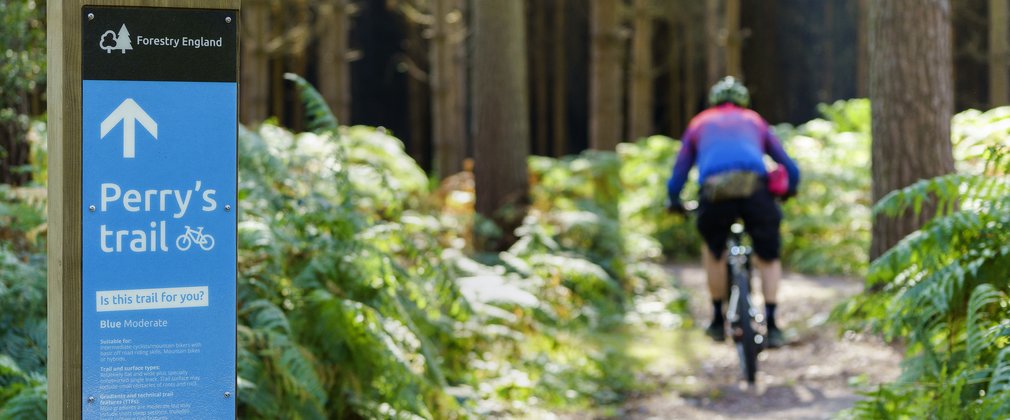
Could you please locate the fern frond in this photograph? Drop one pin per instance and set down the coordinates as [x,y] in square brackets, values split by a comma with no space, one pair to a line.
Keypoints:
[318,116]
[946,191]
[1000,380]
[997,160]
[924,248]
[983,295]
[346,332]
[264,315]
[280,376]
[30,403]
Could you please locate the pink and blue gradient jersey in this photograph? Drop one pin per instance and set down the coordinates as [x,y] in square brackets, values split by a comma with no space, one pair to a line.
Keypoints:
[728,138]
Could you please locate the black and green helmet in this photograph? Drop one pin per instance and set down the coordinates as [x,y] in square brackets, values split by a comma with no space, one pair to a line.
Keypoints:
[729,90]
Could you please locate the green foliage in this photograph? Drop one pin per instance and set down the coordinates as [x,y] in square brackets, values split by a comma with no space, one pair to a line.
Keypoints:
[623,192]
[355,298]
[943,289]
[826,228]
[588,181]
[22,64]
[646,166]
[22,396]
[23,35]
[329,329]
[318,115]
[975,133]
[22,287]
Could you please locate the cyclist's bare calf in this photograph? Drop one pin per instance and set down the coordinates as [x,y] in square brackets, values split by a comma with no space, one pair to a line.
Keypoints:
[715,270]
[771,273]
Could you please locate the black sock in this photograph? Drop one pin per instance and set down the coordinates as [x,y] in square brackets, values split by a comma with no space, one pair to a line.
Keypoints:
[717,316]
[770,315]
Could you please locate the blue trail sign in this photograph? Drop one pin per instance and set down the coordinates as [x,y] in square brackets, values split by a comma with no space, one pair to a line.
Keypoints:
[159,132]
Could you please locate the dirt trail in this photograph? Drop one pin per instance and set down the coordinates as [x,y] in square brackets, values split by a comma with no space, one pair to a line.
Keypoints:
[812,378]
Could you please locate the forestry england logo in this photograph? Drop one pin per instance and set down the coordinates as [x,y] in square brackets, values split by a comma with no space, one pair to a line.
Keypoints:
[111,41]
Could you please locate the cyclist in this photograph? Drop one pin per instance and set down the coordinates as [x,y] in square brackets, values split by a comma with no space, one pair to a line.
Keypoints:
[728,143]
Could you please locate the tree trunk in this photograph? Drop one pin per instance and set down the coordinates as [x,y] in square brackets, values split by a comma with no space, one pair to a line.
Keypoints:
[675,93]
[827,76]
[278,23]
[691,66]
[448,125]
[559,112]
[605,80]
[761,57]
[298,61]
[255,73]
[15,152]
[733,39]
[459,34]
[640,99]
[539,75]
[715,68]
[418,95]
[333,26]
[863,50]
[500,108]
[912,101]
[999,54]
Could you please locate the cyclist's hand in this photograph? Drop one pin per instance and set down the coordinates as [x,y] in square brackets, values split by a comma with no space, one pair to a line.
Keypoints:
[675,207]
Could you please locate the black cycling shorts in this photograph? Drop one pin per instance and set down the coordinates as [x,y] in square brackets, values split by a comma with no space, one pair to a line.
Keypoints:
[761,217]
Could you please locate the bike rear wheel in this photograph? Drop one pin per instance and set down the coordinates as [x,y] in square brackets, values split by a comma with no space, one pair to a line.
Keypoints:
[745,335]
[747,350]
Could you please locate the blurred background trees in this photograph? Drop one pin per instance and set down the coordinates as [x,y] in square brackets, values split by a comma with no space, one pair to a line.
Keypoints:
[22,78]
[619,68]
[596,72]
[406,65]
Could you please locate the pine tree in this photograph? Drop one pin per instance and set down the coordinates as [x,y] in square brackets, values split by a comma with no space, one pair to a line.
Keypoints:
[605,87]
[123,40]
[500,98]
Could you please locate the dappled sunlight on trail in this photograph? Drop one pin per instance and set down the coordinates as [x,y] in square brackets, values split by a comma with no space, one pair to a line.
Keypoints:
[817,375]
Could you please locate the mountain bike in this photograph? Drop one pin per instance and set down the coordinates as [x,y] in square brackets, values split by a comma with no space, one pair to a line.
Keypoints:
[746,323]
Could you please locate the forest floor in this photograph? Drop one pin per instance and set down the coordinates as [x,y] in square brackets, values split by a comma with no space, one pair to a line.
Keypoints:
[688,376]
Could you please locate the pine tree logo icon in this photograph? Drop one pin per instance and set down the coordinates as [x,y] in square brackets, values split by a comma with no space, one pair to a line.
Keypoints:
[110,41]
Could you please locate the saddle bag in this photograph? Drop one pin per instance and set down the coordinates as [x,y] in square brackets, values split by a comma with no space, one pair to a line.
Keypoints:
[730,186]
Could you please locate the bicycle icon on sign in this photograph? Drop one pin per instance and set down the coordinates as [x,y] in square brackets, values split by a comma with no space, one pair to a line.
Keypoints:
[186,240]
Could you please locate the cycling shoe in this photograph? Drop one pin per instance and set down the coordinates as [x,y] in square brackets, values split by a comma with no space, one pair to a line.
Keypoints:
[716,331]
[775,338]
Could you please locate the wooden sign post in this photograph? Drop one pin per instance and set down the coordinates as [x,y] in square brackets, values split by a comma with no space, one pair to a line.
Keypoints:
[142,99]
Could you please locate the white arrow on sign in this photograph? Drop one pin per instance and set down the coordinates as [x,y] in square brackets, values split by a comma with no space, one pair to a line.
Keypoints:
[129,113]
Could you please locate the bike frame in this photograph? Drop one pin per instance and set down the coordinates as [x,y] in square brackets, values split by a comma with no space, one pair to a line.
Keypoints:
[737,268]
